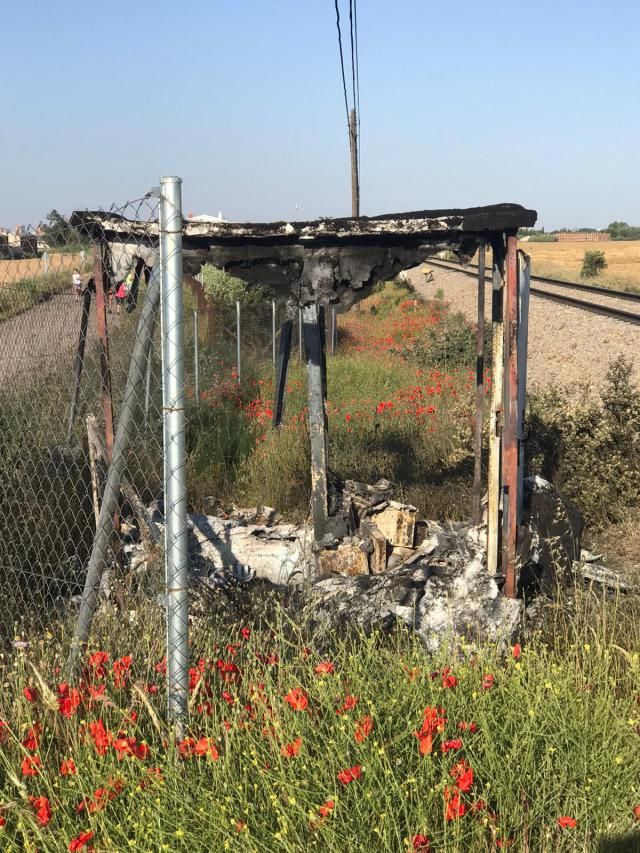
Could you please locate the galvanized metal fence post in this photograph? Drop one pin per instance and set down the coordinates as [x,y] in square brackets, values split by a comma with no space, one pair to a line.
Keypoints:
[175,492]
[196,365]
[238,346]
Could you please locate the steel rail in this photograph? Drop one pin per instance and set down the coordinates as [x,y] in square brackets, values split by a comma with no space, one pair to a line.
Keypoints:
[607,311]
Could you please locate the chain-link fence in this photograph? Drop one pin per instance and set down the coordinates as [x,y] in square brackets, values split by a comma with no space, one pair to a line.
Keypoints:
[87,482]
[109,355]
[70,315]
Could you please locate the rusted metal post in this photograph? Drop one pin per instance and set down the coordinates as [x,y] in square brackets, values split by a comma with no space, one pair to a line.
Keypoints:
[495,414]
[78,362]
[314,346]
[476,507]
[284,351]
[524,273]
[510,428]
[101,281]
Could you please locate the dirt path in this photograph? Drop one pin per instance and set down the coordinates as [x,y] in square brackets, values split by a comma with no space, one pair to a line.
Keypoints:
[567,346]
[43,337]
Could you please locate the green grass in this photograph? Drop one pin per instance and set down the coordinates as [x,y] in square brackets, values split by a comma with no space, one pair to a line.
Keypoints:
[19,297]
[557,735]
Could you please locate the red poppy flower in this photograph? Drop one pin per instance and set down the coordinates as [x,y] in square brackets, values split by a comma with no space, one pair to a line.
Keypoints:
[636,812]
[80,841]
[68,701]
[451,745]
[68,767]
[2,822]
[433,722]
[290,750]
[297,698]
[350,774]
[32,738]
[487,681]
[448,680]
[462,774]
[454,807]
[324,668]
[504,843]
[97,662]
[245,633]
[419,844]
[516,651]
[30,765]
[42,808]
[326,808]
[467,727]
[364,727]
[30,694]
[349,704]
[120,669]
[102,738]
[566,822]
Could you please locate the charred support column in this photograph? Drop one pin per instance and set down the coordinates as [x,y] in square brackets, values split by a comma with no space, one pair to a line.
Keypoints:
[495,415]
[476,511]
[284,353]
[138,272]
[314,353]
[524,274]
[510,429]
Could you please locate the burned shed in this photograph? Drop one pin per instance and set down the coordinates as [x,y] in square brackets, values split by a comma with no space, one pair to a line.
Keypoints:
[336,262]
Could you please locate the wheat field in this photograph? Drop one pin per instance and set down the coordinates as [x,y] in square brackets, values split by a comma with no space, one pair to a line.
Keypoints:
[564,260]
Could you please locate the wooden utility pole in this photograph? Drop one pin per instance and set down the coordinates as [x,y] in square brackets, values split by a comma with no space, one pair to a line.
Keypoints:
[355,180]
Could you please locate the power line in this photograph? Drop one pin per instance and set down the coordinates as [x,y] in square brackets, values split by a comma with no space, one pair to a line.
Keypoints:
[357,74]
[353,61]
[344,80]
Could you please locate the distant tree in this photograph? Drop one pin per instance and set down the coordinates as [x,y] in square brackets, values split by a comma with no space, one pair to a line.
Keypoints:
[623,231]
[593,263]
[57,230]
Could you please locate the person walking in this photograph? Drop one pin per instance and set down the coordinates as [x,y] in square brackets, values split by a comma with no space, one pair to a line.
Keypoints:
[121,296]
[76,279]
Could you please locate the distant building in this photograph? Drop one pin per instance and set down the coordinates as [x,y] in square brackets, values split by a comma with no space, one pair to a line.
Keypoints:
[583,236]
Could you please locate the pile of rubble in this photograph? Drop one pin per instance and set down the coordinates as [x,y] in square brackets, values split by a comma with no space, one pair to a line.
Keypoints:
[379,564]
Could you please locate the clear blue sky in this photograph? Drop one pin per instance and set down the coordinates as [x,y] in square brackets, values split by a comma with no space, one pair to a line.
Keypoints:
[462,103]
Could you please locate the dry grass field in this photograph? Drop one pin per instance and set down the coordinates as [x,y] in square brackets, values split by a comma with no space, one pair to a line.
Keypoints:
[564,260]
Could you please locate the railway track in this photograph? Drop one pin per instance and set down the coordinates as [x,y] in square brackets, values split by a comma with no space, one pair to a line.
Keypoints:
[607,310]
